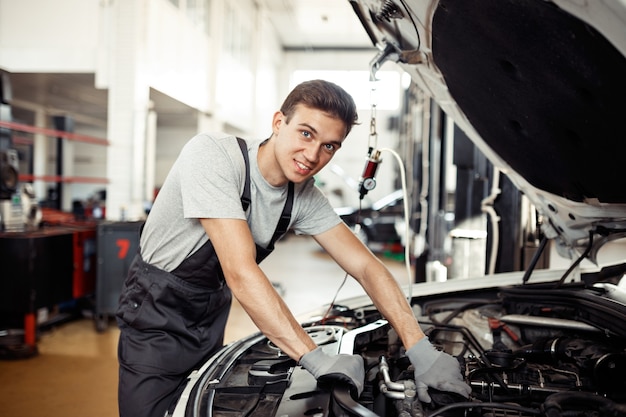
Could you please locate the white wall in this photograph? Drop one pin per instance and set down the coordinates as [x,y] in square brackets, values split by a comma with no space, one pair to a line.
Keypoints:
[269,59]
[49,36]
[242,81]
[178,56]
[169,143]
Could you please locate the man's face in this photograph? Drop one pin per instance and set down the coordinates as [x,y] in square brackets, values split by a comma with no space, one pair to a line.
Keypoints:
[307,142]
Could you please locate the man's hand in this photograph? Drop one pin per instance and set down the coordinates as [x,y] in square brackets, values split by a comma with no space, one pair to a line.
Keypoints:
[335,368]
[435,369]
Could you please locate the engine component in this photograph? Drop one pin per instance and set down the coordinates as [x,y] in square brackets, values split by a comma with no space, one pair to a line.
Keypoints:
[515,366]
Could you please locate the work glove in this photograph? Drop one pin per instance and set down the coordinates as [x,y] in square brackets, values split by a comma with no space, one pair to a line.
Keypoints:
[435,369]
[342,368]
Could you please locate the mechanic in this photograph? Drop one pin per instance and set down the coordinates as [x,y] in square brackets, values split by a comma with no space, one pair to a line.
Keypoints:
[222,207]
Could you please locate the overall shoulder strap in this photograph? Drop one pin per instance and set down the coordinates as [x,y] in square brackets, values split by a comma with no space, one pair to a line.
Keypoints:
[245,196]
[285,217]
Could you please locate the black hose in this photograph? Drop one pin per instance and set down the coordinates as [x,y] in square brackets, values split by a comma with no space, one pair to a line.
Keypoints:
[499,406]
[556,405]
[578,261]
[481,352]
[535,259]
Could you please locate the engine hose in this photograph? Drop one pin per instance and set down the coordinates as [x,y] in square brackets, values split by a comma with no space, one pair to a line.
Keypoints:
[466,333]
[388,383]
[341,395]
[499,406]
[469,336]
[557,404]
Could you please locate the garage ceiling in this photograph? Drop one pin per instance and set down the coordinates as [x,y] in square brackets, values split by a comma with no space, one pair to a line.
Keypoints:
[300,25]
[315,24]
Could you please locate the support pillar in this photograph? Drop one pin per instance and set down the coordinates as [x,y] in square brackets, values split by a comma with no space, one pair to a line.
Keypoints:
[150,158]
[64,162]
[40,152]
[129,104]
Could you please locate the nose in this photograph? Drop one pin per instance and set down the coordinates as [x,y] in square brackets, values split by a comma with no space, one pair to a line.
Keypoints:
[311,152]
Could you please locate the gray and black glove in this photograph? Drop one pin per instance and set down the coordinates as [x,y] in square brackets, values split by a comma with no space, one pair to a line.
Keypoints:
[435,369]
[329,369]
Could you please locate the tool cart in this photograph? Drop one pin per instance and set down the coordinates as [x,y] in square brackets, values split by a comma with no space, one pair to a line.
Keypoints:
[117,246]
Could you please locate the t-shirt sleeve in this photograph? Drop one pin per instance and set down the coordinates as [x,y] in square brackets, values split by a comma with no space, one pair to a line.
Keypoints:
[314,214]
[211,178]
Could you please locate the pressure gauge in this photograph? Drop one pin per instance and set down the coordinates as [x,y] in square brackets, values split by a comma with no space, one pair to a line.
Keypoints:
[369,183]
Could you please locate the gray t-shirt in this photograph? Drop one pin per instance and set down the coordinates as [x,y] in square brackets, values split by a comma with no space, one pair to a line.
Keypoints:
[207,181]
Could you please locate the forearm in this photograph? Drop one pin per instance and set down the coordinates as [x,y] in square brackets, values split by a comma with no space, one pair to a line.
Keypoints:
[236,251]
[386,294]
[270,314]
[356,259]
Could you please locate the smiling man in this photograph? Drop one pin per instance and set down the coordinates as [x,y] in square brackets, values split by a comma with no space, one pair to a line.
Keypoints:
[224,204]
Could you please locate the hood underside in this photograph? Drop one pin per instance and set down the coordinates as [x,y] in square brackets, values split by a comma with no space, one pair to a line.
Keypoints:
[538,86]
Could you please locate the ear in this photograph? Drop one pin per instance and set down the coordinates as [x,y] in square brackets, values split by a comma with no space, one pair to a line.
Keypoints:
[277,121]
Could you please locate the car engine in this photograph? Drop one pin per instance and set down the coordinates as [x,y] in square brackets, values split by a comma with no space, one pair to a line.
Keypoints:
[524,351]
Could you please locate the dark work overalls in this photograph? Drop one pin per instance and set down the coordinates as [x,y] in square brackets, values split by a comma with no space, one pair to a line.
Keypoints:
[172,322]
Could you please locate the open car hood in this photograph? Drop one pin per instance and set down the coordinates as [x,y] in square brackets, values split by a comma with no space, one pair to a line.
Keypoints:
[538,86]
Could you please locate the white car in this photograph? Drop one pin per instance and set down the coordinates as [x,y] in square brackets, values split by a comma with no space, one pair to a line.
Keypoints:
[539,87]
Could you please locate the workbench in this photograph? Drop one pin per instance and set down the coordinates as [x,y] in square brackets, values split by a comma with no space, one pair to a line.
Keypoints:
[41,269]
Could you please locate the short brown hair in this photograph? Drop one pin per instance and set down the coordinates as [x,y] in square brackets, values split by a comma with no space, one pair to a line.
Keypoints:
[322,95]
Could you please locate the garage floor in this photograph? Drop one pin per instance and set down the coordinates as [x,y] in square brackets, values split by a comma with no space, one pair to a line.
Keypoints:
[75,373]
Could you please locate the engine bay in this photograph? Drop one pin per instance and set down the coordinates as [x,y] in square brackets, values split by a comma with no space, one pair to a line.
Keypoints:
[524,352]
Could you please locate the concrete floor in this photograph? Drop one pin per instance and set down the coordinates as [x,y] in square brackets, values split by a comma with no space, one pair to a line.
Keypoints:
[75,372]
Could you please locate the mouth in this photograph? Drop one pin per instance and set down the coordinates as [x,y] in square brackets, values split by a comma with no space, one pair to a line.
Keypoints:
[302,168]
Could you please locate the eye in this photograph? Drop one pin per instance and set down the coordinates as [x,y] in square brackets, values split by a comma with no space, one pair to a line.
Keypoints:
[329,147]
[306,134]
